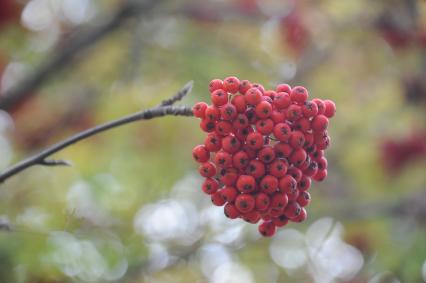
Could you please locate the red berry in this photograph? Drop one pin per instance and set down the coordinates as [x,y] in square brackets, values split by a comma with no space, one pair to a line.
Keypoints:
[256,169]
[223,159]
[259,87]
[299,94]
[295,173]
[304,184]
[282,132]
[301,217]
[287,184]
[224,128]
[320,105]
[279,201]
[280,221]
[304,199]
[240,103]
[319,123]
[278,168]
[217,199]
[303,124]
[231,144]
[240,122]
[269,184]
[245,85]
[283,88]
[320,175]
[228,112]
[231,84]
[266,154]
[213,142]
[278,116]
[244,203]
[219,97]
[294,112]
[254,140]
[207,169]
[322,163]
[267,229]
[283,150]
[229,193]
[298,157]
[231,211]
[251,217]
[309,109]
[253,96]
[246,184]
[212,113]
[330,108]
[207,125]
[210,186]
[240,160]
[262,202]
[297,139]
[199,109]
[200,154]
[263,109]
[265,126]
[228,176]
[312,169]
[292,209]
[215,84]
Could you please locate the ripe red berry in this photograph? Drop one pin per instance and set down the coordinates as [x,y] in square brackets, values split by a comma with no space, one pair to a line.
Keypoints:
[200,154]
[262,201]
[215,84]
[207,169]
[278,168]
[213,142]
[245,85]
[287,184]
[279,201]
[231,144]
[254,140]
[267,229]
[253,96]
[330,108]
[219,97]
[320,105]
[320,175]
[246,183]
[303,124]
[259,87]
[278,116]
[309,109]
[280,221]
[299,94]
[244,203]
[231,84]
[229,193]
[297,139]
[304,199]
[240,160]
[269,184]
[228,176]
[283,150]
[217,199]
[212,113]
[266,154]
[240,122]
[223,128]
[301,217]
[282,132]
[298,157]
[239,102]
[256,169]
[304,184]
[207,125]
[210,186]
[199,109]
[223,159]
[263,109]
[322,163]
[282,100]
[319,123]
[265,126]
[294,112]
[296,173]
[251,217]
[283,88]
[312,169]
[292,209]
[231,211]
[228,112]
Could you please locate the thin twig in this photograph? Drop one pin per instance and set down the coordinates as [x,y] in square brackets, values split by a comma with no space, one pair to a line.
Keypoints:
[68,51]
[158,111]
[179,95]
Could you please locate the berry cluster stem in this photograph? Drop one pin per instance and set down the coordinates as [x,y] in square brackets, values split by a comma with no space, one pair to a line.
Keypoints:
[166,108]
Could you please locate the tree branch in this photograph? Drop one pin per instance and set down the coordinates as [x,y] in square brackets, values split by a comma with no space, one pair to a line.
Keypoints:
[158,111]
[68,50]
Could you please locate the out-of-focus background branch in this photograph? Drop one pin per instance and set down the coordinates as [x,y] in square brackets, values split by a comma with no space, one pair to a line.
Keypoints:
[131,209]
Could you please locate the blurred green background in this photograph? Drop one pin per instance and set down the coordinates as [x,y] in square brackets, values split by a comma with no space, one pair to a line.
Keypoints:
[130,209]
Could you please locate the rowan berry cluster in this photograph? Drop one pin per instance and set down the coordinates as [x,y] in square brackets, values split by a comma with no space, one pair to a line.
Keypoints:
[263,148]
